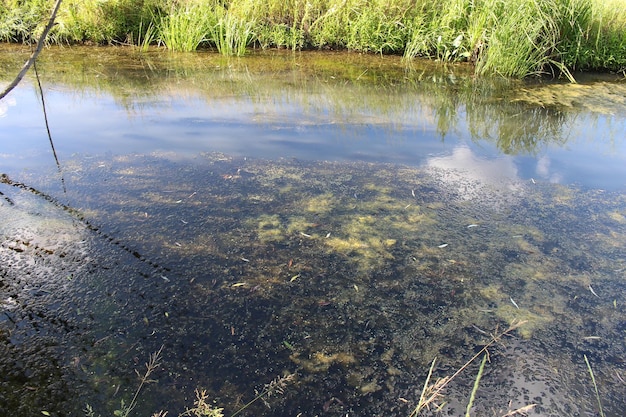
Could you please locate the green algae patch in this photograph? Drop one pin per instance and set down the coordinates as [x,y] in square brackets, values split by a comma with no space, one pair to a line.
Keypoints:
[600,97]
[270,229]
[321,204]
[532,321]
[320,361]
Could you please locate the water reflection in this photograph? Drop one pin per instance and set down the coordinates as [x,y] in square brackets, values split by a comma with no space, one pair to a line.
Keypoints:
[317,106]
[423,211]
[475,178]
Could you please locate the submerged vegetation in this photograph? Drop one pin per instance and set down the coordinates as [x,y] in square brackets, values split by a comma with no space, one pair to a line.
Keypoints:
[512,38]
[357,325]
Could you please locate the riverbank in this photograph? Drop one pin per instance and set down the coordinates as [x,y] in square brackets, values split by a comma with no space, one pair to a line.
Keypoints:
[514,38]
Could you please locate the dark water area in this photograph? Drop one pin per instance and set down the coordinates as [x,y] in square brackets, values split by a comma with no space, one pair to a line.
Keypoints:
[311,230]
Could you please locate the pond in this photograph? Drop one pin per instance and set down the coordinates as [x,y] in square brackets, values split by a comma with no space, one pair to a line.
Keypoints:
[303,234]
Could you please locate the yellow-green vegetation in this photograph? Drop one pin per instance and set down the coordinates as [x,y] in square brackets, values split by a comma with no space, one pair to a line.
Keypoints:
[512,38]
[365,229]
[510,311]
[321,361]
[270,228]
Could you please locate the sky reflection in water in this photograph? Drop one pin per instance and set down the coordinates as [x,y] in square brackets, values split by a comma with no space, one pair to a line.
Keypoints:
[269,115]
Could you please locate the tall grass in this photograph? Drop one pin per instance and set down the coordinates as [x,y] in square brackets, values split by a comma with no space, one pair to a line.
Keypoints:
[185,26]
[508,37]
[231,34]
[104,22]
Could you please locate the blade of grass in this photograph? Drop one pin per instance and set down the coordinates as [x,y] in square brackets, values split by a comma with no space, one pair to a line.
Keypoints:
[475,388]
[595,386]
[421,403]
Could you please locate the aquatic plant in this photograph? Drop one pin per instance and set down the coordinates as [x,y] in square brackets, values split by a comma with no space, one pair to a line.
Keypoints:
[275,387]
[125,410]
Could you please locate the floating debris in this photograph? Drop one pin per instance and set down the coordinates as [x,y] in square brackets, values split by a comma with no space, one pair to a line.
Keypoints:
[295,277]
[245,259]
[305,235]
[479,330]
[469,226]
[592,291]
[238,284]
[443,245]
[514,303]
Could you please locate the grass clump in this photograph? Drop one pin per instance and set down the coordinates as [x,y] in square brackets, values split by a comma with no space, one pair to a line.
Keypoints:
[104,22]
[231,34]
[185,26]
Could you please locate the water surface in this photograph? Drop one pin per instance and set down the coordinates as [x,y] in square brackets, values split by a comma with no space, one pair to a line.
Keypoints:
[338,217]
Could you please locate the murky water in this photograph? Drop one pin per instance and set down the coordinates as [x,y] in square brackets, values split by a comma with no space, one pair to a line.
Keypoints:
[332,222]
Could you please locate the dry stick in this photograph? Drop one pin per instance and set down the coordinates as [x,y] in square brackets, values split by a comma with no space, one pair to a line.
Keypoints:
[34,55]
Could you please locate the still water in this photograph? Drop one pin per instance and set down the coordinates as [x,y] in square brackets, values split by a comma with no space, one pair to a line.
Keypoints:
[309,230]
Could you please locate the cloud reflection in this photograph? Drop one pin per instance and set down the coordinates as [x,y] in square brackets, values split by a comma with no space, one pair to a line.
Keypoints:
[543,171]
[5,104]
[475,178]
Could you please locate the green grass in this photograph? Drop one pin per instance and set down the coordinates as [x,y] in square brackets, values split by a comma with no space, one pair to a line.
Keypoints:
[184,27]
[513,38]
[595,386]
[231,34]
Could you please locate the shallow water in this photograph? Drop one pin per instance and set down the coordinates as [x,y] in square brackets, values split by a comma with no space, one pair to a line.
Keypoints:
[337,217]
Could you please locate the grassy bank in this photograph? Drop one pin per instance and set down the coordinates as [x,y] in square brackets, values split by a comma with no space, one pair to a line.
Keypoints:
[509,37]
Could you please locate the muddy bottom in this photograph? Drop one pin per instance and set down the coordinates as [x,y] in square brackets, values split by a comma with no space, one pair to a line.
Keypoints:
[333,285]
